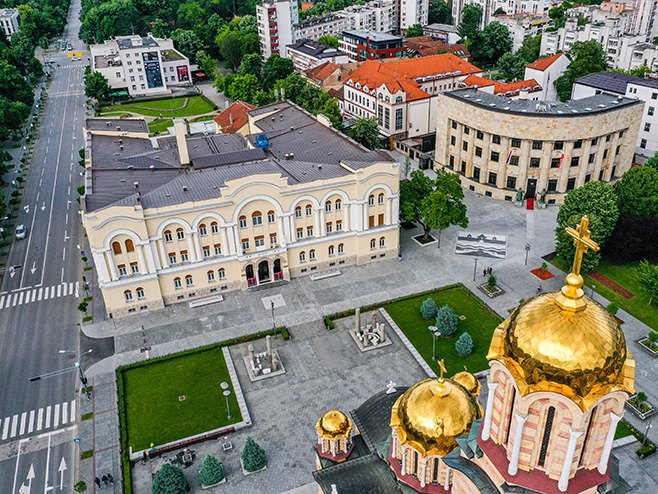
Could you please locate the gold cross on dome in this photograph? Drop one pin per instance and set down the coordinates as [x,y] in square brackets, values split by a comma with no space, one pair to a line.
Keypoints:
[583,242]
[442,369]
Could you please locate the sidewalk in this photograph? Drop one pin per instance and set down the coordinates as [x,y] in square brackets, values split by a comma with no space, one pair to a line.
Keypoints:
[177,327]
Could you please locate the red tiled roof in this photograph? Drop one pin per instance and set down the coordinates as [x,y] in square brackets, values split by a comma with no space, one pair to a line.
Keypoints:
[501,87]
[426,46]
[321,72]
[546,62]
[374,73]
[234,117]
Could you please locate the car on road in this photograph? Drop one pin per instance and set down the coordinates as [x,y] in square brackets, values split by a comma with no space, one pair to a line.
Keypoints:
[21,231]
[76,59]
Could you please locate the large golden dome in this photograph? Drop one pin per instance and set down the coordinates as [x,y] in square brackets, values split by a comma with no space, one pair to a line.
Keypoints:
[432,413]
[333,424]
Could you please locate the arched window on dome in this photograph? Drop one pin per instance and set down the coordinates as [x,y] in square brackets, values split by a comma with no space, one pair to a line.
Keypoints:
[548,427]
[583,450]
[510,414]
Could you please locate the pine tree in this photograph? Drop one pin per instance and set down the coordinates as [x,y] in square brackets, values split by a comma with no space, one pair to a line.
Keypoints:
[464,345]
[212,471]
[446,320]
[428,309]
[253,456]
[170,480]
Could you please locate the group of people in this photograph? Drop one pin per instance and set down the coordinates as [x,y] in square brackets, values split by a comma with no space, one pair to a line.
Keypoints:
[107,480]
[487,271]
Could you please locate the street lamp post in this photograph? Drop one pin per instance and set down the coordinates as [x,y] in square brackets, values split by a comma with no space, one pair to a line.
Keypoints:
[433,330]
[226,393]
[593,288]
[273,323]
[527,250]
[646,432]
[475,268]
[78,365]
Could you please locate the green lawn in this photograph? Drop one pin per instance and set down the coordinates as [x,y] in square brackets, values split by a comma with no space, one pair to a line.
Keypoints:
[167,107]
[160,125]
[625,276]
[622,430]
[480,323]
[154,413]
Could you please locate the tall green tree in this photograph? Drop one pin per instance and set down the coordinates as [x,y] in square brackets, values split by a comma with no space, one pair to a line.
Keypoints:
[211,472]
[366,132]
[244,88]
[169,480]
[253,456]
[598,201]
[488,45]
[229,48]
[586,57]
[637,192]
[647,277]
[414,31]
[439,12]
[328,40]
[110,19]
[96,85]
[470,23]
[251,64]
[187,42]
[511,66]
[274,69]
[13,85]
[652,162]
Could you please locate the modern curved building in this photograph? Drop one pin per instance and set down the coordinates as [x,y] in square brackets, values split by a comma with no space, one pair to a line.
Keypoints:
[500,145]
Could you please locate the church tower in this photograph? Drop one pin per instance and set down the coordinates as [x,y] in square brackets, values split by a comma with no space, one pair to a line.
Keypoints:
[560,374]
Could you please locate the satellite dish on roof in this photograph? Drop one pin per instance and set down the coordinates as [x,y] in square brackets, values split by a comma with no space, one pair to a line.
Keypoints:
[262,141]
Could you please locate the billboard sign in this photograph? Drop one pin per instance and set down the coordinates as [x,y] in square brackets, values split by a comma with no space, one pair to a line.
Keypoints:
[183,73]
[152,69]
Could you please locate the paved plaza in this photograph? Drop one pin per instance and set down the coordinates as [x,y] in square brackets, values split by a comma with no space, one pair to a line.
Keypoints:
[301,304]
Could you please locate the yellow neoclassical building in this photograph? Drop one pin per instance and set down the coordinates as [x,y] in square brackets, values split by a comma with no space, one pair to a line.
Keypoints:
[187,216]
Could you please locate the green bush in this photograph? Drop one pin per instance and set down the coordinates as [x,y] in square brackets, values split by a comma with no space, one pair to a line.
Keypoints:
[446,320]
[645,451]
[491,283]
[253,456]
[212,471]
[653,337]
[464,345]
[170,480]
[428,309]
[613,308]
[80,486]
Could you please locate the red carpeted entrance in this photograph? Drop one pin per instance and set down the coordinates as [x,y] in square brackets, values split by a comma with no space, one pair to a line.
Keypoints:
[530,204]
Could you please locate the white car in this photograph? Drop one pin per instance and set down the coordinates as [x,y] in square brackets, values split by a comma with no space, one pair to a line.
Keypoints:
[21,232]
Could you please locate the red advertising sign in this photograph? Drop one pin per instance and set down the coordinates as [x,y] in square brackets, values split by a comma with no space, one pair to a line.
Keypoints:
[183,73]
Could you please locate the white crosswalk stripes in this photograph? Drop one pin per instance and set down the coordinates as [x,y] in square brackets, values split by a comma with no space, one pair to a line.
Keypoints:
[33,421]
[23,297]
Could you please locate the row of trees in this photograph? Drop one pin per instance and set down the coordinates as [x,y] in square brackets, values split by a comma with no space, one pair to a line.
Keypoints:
[488,45]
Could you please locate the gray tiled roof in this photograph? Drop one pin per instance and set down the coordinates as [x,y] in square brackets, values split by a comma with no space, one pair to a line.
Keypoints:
[599,103]
[126,170]
[126,124]
[317,50]
[364,475]
[614,82]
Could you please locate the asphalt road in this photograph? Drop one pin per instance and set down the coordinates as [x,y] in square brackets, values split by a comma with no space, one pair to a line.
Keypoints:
[38,304]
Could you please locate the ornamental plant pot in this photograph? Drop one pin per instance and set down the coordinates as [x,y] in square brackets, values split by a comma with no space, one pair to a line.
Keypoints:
[204,487]
[642,410]
[647,346]
[491,293]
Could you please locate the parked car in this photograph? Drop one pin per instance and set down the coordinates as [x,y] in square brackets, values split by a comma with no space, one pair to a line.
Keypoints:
[21,232]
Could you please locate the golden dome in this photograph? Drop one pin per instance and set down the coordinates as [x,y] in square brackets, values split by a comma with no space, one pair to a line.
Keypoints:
[333,424]
[469,381]
[432,413]
[581,354]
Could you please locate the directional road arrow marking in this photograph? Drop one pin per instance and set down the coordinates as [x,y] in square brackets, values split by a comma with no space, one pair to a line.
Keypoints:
[34,267]
[26,489]
[61,470]
[43,206]
[26,208]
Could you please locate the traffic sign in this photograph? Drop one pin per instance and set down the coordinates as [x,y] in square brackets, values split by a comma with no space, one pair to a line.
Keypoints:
[76,439]
[70,55]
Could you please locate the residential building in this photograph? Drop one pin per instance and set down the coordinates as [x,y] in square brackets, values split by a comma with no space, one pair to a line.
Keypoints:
[511,7]
[10,21]
[325,25]
[141,66]
[443,32]
[330,76]
[276,19]
[545,71]
[379,15]
[529,89]
[370,45]
[424,46]
[558,376]
[185,217]
[623,85]
[401,94]
[520,26]
[499,146]
[413,12]
[234,119]
[634,55]
[643,17]
[306,54]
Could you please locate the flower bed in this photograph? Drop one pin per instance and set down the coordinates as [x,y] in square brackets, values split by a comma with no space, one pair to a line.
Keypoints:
[491,292]
[542,274]
[652,348]
[642,409]
[613,285]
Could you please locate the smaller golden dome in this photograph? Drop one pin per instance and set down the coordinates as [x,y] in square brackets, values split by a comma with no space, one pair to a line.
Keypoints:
[432,413]
[469,381]
[333,424]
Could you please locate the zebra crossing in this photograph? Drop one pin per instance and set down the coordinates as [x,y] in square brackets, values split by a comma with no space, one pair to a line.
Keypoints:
[23,297]
[50,417]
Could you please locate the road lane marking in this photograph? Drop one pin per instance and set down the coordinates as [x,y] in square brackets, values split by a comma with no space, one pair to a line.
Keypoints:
[20,298]
[2,301]
[56,416]
[23,423]
[65,412]
[73,416]
[40,294]
[59,291]
[48,412]
[30,426]
[5,429]
[39,419]
[14,425]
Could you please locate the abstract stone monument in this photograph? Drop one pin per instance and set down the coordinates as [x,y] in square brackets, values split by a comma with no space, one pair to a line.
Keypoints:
[370,336]
[265,364]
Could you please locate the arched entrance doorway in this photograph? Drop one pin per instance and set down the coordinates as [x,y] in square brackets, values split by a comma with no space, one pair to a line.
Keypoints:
[263,272]
[249,272]
[278,274]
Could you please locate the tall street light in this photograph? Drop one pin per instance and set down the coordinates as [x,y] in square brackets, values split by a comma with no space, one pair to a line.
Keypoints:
[527,250]
[81,372]
[226,393]
[273,323]
[475,268]
[435,333]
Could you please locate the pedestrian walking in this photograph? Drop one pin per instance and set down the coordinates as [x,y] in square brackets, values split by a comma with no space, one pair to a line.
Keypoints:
[97,481]
[540,289]
[489,270]
[484,272]
[105,481]
[110,478]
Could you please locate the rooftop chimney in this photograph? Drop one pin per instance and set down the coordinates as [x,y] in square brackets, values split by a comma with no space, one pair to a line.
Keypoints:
[180,129]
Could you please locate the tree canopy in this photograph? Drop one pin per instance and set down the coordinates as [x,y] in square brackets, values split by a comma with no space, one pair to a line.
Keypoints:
[169,480]
[470,23]
[512,65]
[598,201]
[365,131]
[439,12]
[329,40]
[253,456]
[488,45]
[637,192]
[586,57]
[415,30]
[96,85]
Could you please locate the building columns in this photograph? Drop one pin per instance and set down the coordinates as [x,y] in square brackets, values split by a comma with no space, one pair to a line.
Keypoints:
[101,266]
[563,483]
[316,223]
[323,222]
[486,427]
[224,246]
[280,233]
[163,253]
[423,471]
[346,218]
[113,268]
[403,471]
[230,233]
[193,246]
[154,254]
[143,267]
[446,482]
[144,252]
[607,447]
[518,439]
[238,241]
